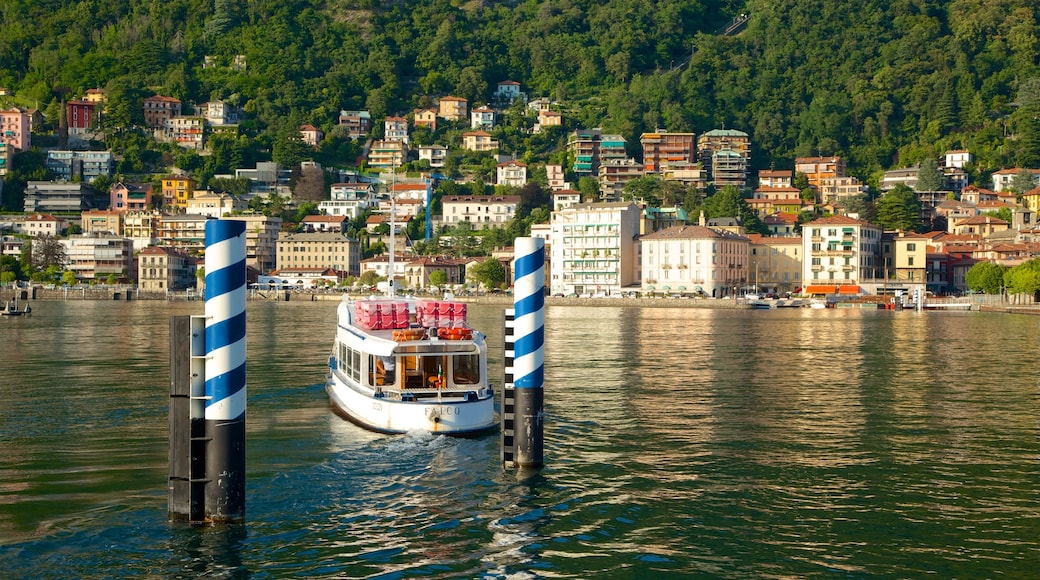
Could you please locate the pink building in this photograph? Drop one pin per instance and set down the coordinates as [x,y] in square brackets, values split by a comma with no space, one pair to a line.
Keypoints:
[15,128]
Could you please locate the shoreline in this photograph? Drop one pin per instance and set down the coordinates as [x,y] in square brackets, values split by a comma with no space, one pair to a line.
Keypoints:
[128,294]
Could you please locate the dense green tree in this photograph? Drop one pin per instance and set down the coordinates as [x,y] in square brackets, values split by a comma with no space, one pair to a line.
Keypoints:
[898,209]
[1023,278]
[929,178]
[986,277]
[728,202]
[45,251]
[1023,181]
[490,273]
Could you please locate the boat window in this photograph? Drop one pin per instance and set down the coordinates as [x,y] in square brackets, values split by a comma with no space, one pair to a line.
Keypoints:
[355,364]
[434,369]
[466,369]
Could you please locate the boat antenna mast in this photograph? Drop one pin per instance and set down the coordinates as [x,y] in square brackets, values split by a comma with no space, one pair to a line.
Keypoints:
[390,290]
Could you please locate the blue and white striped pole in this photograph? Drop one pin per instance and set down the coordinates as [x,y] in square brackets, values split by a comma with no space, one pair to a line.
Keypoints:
[226,370]
[529,350]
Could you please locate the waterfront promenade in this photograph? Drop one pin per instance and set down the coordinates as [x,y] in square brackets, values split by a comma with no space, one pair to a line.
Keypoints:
[983,303]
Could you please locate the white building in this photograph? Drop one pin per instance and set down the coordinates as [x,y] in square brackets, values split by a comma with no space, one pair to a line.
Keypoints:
[435,154]
[479,210]
[593,248]
[840,251]
[512,173]
[97,256]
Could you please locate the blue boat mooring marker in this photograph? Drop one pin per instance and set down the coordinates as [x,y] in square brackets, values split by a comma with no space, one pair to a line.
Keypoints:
[523,401]
[208,389]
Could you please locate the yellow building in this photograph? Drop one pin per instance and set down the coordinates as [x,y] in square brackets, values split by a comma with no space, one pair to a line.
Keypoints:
[176,191]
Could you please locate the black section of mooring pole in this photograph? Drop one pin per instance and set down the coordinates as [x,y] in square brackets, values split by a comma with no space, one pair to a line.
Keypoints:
[180,428]
[530,430]
[508,429]
[226,470]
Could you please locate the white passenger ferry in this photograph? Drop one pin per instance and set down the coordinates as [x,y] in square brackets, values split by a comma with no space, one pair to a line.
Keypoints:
[402,365]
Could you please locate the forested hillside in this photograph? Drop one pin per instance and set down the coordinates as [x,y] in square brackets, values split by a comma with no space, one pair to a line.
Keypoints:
[883,82]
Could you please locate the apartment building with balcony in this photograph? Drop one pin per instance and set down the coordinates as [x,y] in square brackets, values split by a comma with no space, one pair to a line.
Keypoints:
[841,251]
[816,169]
[176,191]
[593,249]
[357,123]
[162,269]
[99,255]
[261,240]
[661,149]
[479,210]
[452,108]
[591,148]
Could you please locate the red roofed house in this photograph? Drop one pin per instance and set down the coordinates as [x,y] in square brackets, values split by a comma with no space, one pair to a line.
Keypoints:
[323,223]
[311,135]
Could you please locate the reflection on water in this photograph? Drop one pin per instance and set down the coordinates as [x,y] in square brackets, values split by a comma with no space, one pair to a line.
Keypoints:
[679,442]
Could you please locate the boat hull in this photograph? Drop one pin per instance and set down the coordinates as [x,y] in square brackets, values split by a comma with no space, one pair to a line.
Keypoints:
[450,415]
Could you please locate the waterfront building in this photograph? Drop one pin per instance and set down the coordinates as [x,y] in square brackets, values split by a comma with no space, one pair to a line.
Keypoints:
[693,259]
[840,251]
[162,269]
[184,231]
[99,255]
[319,250]
[775,263]
[593,248]
[905,257]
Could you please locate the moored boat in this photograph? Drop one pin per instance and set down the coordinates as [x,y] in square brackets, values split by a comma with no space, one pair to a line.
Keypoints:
[402,365]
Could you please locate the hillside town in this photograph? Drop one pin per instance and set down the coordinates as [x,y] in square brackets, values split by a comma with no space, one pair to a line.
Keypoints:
[601,240]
